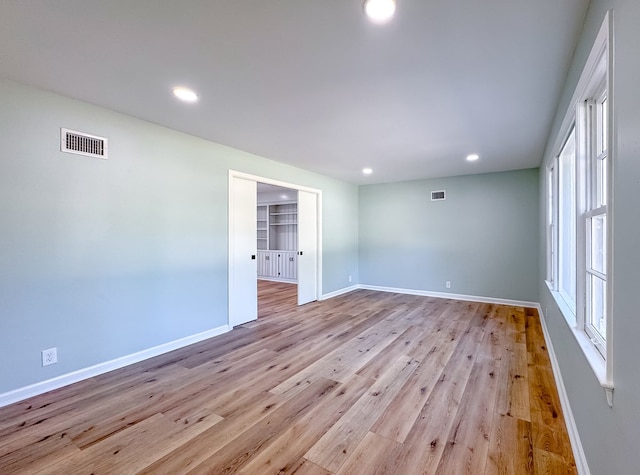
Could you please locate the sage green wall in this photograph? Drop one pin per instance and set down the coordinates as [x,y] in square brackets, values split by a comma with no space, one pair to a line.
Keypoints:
[482,238]
[609,435]
[102,259]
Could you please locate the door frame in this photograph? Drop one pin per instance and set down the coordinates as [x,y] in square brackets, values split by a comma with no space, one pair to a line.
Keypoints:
[247,176]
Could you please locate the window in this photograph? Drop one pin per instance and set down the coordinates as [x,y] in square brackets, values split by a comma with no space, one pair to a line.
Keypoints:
[596,220]
[578,211]
[567,221]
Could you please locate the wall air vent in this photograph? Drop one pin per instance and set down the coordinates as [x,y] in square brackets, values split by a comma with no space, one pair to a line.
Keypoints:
[438,195]
[80,143]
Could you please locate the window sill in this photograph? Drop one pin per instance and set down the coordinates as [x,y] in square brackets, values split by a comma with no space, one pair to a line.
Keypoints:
[595,359]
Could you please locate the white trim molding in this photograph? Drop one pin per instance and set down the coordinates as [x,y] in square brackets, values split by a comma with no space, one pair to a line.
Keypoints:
[42,387]
[336,293]
[445,295]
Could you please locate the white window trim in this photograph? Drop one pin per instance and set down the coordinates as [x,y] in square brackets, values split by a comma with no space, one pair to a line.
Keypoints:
[588,84]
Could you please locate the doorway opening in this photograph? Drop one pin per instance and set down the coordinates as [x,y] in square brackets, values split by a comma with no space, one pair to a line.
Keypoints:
[300,256]
[277,249]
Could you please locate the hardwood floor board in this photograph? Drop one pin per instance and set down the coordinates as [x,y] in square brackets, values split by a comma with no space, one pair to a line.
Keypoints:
[300,436]
[231,457]
[417,340]
[495,335]
[238,338]
[510,447]
[182,458]
[304,467]
[276,370]
[343,437]
[318,330]
[425,442]
[536,346]
[131,450]
[371,456]
[513,398]
[346,360]
[468,442]
[238,385]
[84,407]
[185,416]
[402,345]
[71,419]
[41,405]
[158,397]
[275,298]
[301,380]
[516,324]
[547,421]
[37,456]
[400,416]
[84,395]
[549,463]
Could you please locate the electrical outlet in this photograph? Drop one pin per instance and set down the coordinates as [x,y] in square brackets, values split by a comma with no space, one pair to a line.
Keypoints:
[448,284]
[49,356]
[349,278]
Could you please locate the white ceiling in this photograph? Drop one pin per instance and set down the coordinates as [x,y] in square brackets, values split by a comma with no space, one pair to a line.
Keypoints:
[313,83]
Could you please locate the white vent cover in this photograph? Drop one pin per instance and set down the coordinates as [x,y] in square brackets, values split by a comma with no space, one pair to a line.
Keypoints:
[438,195]
[80,143]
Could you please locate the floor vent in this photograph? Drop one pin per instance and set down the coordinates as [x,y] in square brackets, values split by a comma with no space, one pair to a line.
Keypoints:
[438,195]
[80,143]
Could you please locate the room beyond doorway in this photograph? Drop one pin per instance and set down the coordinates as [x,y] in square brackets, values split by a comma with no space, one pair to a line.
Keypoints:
[275,298]
[277,233]
[277,246]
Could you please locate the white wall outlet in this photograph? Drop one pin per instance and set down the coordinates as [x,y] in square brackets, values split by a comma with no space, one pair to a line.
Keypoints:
[349,278]
[49,356]
[448,284]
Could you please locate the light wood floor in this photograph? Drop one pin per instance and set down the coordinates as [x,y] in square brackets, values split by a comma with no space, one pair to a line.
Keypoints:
[365,383]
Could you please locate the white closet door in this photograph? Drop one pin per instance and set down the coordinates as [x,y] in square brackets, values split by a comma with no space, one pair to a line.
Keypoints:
[243,289]
[307,247]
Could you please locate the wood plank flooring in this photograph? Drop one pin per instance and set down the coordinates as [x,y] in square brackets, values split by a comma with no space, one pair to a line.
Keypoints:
[365,383]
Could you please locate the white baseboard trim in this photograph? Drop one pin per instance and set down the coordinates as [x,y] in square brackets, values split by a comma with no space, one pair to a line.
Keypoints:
[338,292]
[445,295]
[65,379]
[275,279]
[572,429]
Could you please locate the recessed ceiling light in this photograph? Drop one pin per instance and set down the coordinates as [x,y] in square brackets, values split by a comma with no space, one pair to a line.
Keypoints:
[185,94]
[367,171]
[380,11]
[472,157]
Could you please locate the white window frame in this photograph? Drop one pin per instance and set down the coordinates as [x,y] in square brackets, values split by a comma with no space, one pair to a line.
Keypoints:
[594,84]
[595,207]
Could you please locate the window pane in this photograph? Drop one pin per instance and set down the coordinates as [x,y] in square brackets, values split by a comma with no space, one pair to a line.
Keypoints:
[601,181]
[603,125]
[567,221]
[598,306]
[600,133]
[599,243]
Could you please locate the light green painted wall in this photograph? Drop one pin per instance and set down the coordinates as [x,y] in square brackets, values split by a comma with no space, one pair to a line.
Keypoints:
[102,259]
[609,435]
[482,238]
